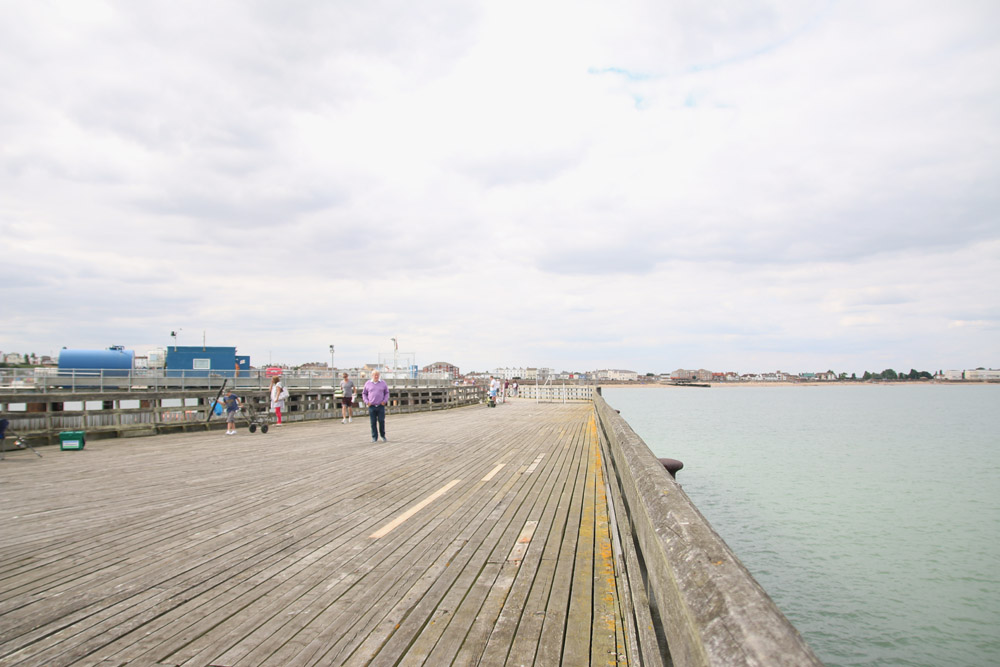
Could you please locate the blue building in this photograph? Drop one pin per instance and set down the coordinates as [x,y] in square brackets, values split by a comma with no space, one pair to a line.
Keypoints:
[114,361]
[203,361]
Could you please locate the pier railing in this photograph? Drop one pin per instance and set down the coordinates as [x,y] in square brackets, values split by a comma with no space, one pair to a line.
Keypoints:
[129,412]
[706,605]
[556,393]
[44,380]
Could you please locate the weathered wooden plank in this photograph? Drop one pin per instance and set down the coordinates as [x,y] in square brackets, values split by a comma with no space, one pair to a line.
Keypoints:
[476,622]
[506,626]
[430,611]
[577,641]
[391,573]
[607,646]
[539,602]
[204,549]
[557,605]
[442,533]
[290,599]
[642,644]
[440,639]
[517,570]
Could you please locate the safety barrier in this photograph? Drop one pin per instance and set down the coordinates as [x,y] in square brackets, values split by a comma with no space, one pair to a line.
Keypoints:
[556,393]
[127,413]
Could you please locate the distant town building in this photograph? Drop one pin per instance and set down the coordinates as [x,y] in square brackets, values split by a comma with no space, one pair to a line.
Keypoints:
[509,373]
[701,375]
[450,370]
[564,376]
[315,366]
[982,374]
[617,375]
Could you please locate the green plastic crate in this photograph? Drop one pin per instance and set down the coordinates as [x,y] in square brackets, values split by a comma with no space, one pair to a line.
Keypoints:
[71,440]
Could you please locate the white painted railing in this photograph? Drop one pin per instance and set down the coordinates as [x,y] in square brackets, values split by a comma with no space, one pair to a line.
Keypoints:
[556,393]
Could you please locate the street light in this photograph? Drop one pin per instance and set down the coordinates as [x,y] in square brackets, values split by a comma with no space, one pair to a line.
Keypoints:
[332,366]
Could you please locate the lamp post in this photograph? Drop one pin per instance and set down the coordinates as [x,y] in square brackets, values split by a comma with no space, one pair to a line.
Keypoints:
[332,366]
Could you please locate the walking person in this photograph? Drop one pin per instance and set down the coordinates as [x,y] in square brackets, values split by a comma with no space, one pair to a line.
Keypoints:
[376,397]
[494,388]
[278,396]
[347,399]
[232,403]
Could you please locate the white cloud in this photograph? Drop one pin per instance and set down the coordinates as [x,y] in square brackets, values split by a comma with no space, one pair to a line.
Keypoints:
[739,186]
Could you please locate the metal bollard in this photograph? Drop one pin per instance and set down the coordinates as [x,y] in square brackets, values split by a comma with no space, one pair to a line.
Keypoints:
[672,466]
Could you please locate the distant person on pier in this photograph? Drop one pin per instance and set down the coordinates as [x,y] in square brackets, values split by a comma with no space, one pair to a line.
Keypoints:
[347,400]
[232,403]
[278,396]
[376,397]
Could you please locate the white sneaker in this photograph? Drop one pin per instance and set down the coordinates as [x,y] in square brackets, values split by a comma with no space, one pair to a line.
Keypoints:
[349,420]
[343,421]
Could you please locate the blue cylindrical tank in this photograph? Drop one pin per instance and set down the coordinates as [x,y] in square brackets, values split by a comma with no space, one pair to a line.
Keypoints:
[114,359]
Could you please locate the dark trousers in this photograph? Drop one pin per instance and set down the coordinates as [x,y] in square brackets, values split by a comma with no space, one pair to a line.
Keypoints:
[376,415]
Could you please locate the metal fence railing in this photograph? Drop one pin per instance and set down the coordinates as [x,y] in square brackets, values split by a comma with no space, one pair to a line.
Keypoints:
[44,380]
[556,393]
[44,415]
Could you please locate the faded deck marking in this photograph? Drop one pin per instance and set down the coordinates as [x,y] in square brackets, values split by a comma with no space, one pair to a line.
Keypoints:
[395,523]
[493,472]
[523,540]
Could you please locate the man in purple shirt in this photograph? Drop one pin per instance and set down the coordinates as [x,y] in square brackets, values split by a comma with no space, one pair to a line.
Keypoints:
[376,396]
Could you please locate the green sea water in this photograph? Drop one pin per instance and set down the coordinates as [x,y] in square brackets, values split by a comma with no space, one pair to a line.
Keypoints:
[870,513]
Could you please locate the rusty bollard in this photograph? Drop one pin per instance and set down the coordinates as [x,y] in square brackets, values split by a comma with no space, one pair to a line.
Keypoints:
[672,466]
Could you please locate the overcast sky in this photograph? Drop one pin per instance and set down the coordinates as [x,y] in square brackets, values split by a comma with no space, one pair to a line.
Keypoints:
[740,185]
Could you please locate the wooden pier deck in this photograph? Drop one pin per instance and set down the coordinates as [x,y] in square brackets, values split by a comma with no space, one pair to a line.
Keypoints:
[474,536]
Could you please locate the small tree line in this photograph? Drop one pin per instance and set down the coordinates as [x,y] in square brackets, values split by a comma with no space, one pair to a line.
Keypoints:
[890,374]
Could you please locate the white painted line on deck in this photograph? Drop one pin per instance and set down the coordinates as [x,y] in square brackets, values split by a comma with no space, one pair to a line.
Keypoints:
[534,464]
[395,523]
[523,540]
[493,472]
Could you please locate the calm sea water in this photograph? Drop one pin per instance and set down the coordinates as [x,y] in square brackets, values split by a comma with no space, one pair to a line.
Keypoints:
[871,514]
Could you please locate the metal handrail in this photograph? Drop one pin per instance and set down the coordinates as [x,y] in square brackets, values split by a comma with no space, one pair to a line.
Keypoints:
[45,380]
